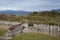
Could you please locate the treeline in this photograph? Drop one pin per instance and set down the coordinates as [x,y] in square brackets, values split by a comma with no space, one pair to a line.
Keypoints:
[6,17]
[45,17]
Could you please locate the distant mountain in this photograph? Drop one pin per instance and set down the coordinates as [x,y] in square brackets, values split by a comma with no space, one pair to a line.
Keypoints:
[57,10]
[14,12]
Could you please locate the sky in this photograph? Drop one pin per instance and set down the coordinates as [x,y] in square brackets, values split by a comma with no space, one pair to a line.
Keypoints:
[29,5]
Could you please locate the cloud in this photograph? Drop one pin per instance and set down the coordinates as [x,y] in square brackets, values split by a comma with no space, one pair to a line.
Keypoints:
[29,5]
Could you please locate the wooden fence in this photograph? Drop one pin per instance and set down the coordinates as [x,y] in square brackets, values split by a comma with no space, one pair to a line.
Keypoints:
[41,28]
[45,29]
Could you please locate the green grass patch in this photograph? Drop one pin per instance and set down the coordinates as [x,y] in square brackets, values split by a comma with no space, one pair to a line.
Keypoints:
[2,31]
[34,36]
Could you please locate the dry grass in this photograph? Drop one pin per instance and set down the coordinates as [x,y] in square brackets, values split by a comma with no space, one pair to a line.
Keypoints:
[34,36]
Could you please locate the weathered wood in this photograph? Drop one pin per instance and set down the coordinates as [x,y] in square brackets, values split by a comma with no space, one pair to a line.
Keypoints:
[5,38]
[41,28]
[13,26]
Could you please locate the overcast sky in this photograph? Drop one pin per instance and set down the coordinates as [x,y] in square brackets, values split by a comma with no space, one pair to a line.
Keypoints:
[29,5]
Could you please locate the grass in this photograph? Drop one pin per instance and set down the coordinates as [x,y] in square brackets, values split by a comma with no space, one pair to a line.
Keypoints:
[34,36]
[2,31]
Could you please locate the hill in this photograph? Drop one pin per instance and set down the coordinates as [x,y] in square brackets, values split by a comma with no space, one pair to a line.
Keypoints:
[14,12]
[44,17]
[57,10]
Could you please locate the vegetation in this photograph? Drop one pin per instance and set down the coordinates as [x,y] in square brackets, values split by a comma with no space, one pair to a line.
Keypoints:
[2,31]
[44,17]
[34,36]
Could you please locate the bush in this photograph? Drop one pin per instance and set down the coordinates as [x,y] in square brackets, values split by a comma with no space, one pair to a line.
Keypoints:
[2,31]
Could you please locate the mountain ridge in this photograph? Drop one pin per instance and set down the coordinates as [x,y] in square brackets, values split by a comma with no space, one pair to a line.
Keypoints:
[20,12]
[14,12]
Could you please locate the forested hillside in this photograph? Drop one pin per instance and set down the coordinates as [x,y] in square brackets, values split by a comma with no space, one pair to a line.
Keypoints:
[45,17]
